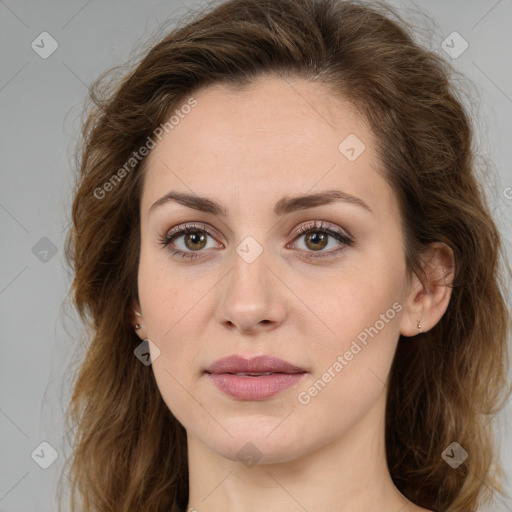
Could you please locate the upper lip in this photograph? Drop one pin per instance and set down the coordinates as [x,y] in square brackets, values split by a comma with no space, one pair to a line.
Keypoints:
[258,364]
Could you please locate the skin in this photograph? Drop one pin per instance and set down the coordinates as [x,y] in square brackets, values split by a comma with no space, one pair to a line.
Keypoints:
[247,149]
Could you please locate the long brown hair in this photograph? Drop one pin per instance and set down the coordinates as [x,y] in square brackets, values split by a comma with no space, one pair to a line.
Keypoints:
[128,451]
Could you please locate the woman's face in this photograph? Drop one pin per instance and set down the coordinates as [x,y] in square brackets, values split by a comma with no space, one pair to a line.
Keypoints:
[249,284]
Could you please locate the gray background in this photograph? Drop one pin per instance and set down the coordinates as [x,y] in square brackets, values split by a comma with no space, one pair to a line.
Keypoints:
[40,105]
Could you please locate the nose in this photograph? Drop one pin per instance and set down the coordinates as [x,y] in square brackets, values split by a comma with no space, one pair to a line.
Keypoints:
[251,297]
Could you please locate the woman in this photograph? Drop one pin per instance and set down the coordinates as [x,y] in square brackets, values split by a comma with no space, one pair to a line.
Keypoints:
[290,273]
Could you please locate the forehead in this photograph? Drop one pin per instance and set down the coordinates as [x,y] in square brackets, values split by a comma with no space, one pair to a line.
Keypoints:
[276,136]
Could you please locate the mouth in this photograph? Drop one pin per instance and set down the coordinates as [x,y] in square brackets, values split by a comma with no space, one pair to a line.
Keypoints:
[254,374]
[260,365]
[256,378]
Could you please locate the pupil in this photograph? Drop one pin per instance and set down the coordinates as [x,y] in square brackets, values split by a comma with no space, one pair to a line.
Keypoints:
[196,238]
[317,238]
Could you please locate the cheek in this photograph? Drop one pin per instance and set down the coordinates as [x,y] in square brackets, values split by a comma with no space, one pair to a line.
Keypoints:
[362,312]
[352,368]
[356,299]
[174,305]
[167,297]
[364,337]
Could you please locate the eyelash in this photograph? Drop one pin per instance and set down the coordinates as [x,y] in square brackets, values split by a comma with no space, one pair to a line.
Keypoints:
[314,227]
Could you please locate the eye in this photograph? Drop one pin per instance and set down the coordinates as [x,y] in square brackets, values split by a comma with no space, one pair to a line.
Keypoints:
[316,239]
[195,238]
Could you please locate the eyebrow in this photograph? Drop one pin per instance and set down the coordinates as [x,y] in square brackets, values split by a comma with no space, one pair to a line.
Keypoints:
[284,206]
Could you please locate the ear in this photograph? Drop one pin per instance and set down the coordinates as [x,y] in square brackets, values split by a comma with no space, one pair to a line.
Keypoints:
[136,319]
[427,301]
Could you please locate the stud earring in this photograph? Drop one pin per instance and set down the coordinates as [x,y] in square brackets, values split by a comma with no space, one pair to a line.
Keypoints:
[419,324]
[137,326]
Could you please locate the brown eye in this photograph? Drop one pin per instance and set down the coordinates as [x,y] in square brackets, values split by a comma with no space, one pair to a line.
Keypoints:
[189,241]
[315,237]
[316,240]
[194,240]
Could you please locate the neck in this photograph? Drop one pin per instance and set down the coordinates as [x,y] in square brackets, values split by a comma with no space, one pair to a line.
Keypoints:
[347,475]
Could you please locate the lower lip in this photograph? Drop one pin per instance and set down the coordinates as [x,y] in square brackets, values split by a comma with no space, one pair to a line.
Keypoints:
[254,388]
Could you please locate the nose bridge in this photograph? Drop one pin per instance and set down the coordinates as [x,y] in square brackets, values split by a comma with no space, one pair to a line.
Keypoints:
[250,296]
[250,280]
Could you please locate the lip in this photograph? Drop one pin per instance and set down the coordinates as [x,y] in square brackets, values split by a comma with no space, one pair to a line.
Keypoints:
[258,364]
[281,375]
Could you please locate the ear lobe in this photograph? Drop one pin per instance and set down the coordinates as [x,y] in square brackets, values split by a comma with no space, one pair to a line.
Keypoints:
[428,299]
[137,321]
[135,315]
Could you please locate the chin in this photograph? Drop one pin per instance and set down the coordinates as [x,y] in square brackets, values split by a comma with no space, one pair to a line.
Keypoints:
[257,441]
[257,451]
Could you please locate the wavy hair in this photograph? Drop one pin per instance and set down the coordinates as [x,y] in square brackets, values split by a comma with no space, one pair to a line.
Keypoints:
[128,451]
